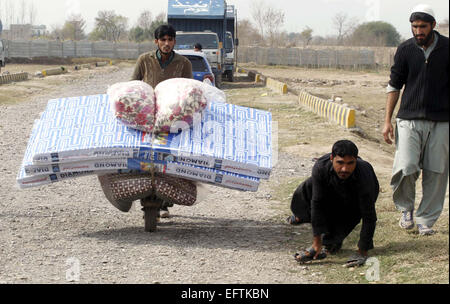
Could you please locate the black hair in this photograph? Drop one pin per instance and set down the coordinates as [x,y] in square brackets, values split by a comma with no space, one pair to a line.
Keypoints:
[165,30]
[198,46]
[344,148]
[421,16]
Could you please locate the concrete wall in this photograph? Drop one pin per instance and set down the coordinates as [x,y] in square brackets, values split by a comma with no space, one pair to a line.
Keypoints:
[308,57]
[316,57]
[76,49]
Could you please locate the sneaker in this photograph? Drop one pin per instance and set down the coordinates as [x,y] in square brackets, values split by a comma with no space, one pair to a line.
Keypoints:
[425,230]
[406,221]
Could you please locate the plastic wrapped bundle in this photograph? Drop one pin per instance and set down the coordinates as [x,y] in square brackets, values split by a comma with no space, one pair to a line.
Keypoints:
[177,100]
[212,93]
[134,104]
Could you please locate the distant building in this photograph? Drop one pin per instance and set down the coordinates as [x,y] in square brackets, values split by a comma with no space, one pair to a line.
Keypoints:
[24,31]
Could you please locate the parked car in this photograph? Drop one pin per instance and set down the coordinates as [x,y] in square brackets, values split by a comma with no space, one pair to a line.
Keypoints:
[211,48]
[200,66]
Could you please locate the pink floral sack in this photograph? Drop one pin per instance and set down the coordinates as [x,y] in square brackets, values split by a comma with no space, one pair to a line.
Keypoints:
[178,99]
[134,104]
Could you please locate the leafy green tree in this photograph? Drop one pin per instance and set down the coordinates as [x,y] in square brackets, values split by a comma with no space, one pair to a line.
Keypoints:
[306,35]
[376,33]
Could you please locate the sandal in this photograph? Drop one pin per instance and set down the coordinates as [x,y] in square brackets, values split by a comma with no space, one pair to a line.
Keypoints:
[308,255]
[292,220]
[356,260]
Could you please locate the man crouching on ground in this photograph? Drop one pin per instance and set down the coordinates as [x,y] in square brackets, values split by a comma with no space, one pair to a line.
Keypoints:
[342,190]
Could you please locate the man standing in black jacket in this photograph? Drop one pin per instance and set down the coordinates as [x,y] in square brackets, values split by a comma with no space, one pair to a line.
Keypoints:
[341,192]
[422,125]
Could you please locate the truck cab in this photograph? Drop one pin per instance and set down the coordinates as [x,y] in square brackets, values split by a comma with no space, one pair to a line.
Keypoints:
[211,48]
[230,57]
[2,54]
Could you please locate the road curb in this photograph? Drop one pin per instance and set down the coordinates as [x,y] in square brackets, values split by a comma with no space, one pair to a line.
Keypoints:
[276,85]
[342,115]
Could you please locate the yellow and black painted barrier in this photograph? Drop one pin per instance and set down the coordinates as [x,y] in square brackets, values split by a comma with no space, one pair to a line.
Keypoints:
[82,66]
[272,84]
[103,63]
[56,71]
[342,115]
[8,78]
[276,85]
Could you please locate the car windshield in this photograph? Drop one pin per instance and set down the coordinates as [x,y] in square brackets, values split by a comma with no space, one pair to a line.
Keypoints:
[198,63]
[187,41]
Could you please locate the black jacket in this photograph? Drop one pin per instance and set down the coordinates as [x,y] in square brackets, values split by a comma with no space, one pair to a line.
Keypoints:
[339,200]
[426,94]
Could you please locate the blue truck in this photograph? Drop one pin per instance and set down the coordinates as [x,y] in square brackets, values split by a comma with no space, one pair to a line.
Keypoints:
[231,43]
[211,23]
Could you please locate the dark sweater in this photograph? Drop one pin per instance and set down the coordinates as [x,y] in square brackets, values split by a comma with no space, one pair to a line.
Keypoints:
[336,200]
[426,94]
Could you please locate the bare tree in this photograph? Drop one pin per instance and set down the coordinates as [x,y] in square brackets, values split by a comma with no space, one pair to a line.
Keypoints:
[339,22]
[10,11]
[55,32]
[32,13]
[269,21]
[258,8]
[159,20]
[74,28]
[161,17]
[248,33]
[145,20]
[1,14]
[109,26]
[344,26]
[22,11]
[274,20]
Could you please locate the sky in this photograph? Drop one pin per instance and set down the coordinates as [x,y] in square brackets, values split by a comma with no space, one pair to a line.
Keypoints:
[316,14]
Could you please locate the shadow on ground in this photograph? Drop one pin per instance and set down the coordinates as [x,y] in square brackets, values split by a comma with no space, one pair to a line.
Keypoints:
[204,232]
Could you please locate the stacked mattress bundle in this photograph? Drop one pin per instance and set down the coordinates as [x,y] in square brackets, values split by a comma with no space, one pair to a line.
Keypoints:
[227,145]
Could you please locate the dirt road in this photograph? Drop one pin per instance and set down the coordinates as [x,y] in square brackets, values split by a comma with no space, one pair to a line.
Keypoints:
[46,232]
[229,236]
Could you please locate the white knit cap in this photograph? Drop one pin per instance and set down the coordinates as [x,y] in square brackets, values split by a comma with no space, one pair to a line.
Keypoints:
[423,8]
